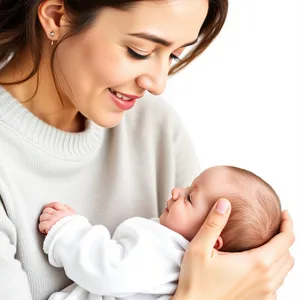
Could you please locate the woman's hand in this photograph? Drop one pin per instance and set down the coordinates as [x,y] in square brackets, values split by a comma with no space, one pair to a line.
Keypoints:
[208,274]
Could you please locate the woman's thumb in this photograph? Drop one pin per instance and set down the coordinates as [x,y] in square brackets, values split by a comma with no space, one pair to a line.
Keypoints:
[205,239]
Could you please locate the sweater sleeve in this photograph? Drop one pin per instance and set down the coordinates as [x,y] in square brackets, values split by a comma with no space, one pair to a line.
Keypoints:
[13,280]
[119,267]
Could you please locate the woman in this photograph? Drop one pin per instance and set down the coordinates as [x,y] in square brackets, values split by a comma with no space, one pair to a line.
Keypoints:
[71,70]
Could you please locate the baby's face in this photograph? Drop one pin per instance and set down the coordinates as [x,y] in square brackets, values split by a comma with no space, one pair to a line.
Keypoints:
[186,214]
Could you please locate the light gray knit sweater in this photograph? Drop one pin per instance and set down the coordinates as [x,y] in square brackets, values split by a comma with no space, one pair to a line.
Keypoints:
[107,175]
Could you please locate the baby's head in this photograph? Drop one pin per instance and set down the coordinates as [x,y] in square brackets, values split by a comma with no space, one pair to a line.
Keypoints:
[256,211]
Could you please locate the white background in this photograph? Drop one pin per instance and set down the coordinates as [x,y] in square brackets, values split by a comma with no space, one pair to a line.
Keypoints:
[240,102]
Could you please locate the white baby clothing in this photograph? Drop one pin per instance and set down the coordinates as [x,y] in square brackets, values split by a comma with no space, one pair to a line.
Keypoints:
[140,262]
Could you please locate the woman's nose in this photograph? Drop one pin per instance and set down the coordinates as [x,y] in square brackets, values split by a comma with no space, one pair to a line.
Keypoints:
[155,80]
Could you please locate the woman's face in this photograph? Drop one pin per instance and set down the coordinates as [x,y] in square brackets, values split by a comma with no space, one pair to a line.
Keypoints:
[125,52]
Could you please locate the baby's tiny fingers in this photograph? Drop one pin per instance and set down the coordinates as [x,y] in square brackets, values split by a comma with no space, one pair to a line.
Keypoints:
[55,205]
[44,227]
[45,217]
[70,208]
[51,205]
[49,211]
[59,206]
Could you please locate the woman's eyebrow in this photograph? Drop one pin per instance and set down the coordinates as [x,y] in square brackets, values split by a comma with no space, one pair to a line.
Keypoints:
[156,39]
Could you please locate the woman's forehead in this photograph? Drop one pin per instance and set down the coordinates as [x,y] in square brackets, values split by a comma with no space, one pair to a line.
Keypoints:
[177,21]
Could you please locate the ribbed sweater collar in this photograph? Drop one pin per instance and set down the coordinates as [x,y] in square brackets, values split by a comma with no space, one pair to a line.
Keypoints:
[66,145]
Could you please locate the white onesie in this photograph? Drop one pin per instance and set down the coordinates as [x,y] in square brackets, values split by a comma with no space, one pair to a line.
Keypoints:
[140,262]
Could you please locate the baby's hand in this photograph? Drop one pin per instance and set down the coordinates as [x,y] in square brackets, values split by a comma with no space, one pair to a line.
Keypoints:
[52,213]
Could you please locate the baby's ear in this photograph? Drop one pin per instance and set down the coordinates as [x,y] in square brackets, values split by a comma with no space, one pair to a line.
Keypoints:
[219,243]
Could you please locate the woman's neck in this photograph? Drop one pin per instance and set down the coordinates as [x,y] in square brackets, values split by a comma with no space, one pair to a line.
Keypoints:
[39,94]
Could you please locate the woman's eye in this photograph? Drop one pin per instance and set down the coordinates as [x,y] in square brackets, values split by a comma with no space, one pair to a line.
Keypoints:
[175,58]
[135,55]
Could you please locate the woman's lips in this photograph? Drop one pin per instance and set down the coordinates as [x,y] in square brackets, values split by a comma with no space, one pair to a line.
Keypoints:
[120,103]
[127,96]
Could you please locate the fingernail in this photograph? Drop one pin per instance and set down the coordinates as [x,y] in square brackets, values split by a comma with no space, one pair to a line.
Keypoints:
[222,206]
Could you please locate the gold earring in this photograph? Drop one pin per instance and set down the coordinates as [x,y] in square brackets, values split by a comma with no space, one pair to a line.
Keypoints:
[52,35]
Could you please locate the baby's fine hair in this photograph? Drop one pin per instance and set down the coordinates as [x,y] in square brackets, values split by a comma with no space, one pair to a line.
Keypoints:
[256,212]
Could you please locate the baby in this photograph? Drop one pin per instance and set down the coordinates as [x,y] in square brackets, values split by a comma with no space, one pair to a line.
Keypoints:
[142,259]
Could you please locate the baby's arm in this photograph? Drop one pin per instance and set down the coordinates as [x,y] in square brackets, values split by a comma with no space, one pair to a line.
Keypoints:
[103,266]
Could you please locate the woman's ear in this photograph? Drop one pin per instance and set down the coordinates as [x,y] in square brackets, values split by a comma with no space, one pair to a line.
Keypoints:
[51,15]
[219,243]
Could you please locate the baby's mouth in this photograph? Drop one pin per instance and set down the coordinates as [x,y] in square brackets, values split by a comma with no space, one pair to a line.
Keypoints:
[167,208]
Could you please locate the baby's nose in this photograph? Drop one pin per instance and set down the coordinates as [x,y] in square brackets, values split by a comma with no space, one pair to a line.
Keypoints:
[176,193]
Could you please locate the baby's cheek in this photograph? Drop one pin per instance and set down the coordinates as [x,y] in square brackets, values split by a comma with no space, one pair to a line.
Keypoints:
[181,225]
[190,227]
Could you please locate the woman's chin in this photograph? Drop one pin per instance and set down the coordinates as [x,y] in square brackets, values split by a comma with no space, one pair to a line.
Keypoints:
[109,120]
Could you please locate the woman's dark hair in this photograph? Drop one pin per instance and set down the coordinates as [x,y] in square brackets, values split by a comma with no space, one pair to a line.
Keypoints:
[20,27]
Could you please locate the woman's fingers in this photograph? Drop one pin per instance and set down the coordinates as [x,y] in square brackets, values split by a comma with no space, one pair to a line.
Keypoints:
[281,269]
[205,239]
[277,247]
[286,223]
[278,265]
